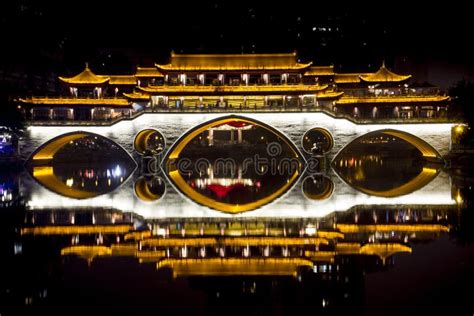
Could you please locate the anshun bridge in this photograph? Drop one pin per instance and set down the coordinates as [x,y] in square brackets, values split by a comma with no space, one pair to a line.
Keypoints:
[274,89]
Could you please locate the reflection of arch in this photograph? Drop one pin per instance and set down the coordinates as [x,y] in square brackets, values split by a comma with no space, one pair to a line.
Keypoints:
[146,192]
[314,192]
[422,179]
[181,184]
[142,138]
[426,149]
[45,175]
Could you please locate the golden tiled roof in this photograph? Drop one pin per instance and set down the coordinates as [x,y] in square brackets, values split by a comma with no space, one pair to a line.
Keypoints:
[137,96]
[384,75]
[226,89]
[320,71]
[391,99]
[86,77]
[226,62]
[348,77]
[150,72]
[123,80]
[330,94]
[115,102]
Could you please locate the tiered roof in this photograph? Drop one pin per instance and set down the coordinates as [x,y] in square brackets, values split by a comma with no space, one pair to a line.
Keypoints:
[228,62]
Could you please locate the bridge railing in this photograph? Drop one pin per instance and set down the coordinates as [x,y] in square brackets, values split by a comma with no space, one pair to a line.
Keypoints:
[132,115]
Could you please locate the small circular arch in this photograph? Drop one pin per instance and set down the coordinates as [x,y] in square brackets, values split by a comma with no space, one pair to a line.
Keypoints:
[149,141]
[317,140]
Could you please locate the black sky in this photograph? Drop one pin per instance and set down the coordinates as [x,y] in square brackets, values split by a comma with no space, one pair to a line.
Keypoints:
[428,39]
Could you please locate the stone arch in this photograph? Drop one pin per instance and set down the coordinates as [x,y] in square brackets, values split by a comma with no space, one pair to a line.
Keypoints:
[142,138]
[41,169]
[426,149]
[48,149]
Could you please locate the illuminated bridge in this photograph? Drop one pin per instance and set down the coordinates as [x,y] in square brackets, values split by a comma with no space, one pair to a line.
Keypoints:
[432,139]
[306,193]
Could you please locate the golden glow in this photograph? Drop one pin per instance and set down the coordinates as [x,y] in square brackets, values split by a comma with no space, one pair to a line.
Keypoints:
[77,230]
[273,241]
[329,95]
[330,235]
[347,78]
[137,96]
[352,228]
[384,75]
[150,72]
[226,89]
[459,129]
[48,150]
[124,249]
[173,242]
[86,77]
[224,207]
[143,192]
[110,102]
[391,99]
[150,256]
[87,252]
[140,141]
[236,241]
[384,250]
[347,248]
[426,149]
[138,235]
[123,80]
[422,179]
[320,71]
[224,62]
[45,175]
[178,180]
[234,266]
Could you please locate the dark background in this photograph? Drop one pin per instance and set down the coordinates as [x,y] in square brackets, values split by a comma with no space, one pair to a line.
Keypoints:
[43,39]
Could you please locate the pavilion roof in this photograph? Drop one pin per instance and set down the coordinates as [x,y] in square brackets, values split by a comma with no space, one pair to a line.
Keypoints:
[320,71]
[86,77]
[223,62]
[148,72]
[348,77]
[123,80]
[384,75]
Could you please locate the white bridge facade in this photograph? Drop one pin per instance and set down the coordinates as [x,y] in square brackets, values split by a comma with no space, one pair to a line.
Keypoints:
[293,125]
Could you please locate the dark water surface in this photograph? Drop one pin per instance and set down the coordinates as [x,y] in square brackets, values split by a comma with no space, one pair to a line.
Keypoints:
[377,231]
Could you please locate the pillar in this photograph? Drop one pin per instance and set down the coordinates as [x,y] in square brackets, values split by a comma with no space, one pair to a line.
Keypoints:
[239,136]
[211,137]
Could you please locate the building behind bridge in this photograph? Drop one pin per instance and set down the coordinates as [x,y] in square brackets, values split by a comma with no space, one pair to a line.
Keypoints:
[238,82]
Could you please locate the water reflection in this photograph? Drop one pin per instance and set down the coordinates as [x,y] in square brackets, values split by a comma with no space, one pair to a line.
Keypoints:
[55,254]
[233,164]
[150,189]
[324,259]
[384,165]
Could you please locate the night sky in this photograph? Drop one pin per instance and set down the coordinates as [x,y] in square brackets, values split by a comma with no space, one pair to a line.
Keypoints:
[429,41]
